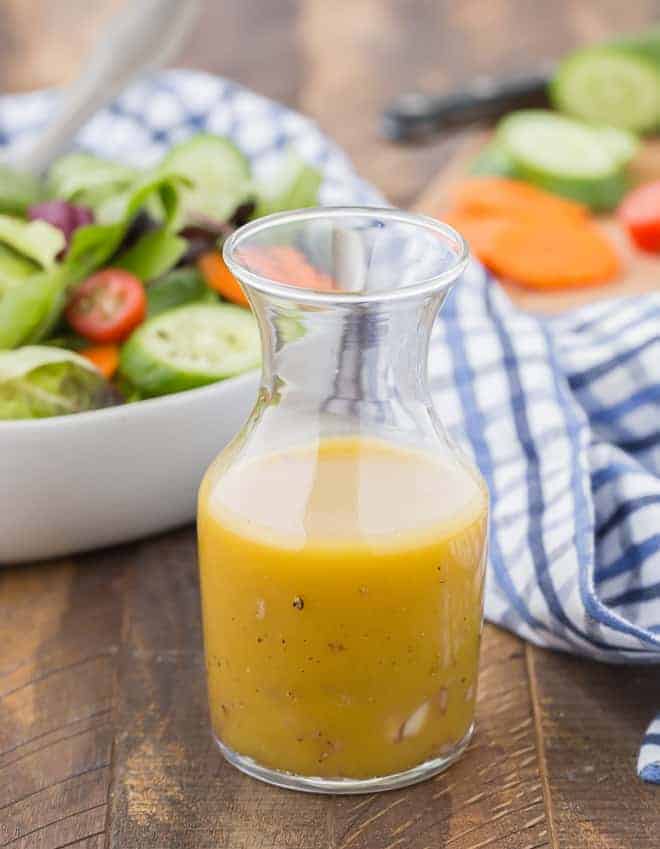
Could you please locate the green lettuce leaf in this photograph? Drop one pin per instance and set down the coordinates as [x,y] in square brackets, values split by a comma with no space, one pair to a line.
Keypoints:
[91,246]
[36,240]
[38,381]
[181,286]
[14,268]
[28,312]
[153,254]
[89,180]
[18,191]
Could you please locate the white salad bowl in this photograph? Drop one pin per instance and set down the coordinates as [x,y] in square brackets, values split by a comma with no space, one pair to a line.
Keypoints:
[71,483]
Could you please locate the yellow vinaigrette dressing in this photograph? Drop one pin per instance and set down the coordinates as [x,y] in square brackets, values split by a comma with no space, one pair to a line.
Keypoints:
[342,602]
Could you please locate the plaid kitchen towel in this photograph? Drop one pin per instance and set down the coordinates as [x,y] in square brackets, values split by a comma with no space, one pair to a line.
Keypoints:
[562,415]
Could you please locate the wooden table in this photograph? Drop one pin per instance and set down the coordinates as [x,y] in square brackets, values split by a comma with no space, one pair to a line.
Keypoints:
[104,738]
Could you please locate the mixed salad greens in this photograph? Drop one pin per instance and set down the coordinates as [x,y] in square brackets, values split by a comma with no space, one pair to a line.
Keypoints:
[112,286]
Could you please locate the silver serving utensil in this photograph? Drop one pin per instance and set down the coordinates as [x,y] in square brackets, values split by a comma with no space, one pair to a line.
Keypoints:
[144,35]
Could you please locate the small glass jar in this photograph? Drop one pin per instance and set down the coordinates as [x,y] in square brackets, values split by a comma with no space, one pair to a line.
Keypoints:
[342,535]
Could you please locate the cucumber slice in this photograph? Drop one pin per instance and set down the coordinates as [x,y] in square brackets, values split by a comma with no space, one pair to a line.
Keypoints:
[218,172]
[564,156]
[614,85]
[496,160]
[621,144]
[191,346]
[642,44]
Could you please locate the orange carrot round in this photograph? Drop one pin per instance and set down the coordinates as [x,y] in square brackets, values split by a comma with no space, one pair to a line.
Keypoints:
[104,357]
[563,254]
[504,196]
[480,231]
[285,264]
[217,276]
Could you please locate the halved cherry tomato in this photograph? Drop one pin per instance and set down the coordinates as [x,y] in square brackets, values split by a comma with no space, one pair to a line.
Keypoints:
[107,306]
[640,215]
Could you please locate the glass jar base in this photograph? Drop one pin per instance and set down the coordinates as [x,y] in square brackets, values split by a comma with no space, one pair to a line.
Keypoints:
[346,786]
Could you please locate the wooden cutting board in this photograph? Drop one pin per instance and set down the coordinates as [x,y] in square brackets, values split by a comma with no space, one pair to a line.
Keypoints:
[641,271]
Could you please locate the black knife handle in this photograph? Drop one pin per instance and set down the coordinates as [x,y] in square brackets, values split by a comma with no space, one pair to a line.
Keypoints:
[416,115]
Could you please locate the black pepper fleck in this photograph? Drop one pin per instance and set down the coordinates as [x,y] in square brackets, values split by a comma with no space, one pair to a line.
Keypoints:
[298,603]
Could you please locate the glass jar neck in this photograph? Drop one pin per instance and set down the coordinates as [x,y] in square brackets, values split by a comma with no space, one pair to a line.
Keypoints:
[347,358]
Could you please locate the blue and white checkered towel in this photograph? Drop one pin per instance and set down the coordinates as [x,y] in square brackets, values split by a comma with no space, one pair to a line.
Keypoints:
[562,415]
[563,418]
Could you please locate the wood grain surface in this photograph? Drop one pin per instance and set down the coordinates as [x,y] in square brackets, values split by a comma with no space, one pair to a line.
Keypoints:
[104,736]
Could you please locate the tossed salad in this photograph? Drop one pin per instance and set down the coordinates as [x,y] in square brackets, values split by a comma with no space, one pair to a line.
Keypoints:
[112,285]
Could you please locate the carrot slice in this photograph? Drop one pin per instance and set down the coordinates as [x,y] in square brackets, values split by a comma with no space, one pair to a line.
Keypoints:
[563,254]
[212,267]
[480,231]
[504,196]
[286,264]
[530,236]
[278,262]
[104,357]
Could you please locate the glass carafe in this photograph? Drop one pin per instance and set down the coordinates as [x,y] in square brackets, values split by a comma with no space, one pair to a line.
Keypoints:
[342,534]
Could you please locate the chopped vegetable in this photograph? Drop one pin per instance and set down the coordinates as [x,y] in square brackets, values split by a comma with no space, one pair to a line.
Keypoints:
[217,172]
[295,186]
[200,240]
[104,357]
[529,236]
[107,306]
[35,240]
[285,264]
[563,254]
[93,245]
[216,274]
[281,263]
[617,83]
[640,215]
[502,196]
[85,179]
[176,288]
[14,268]
[496,160]
[38,381]
[567,157]
[622,145]
[152,255]
[479,230]
[72,341]
[191,346]
[18,191]
[67,217]
[29,311]
[646,43]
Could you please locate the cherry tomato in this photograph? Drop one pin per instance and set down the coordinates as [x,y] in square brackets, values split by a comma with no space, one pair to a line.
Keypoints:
[107,306]
[640,215]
